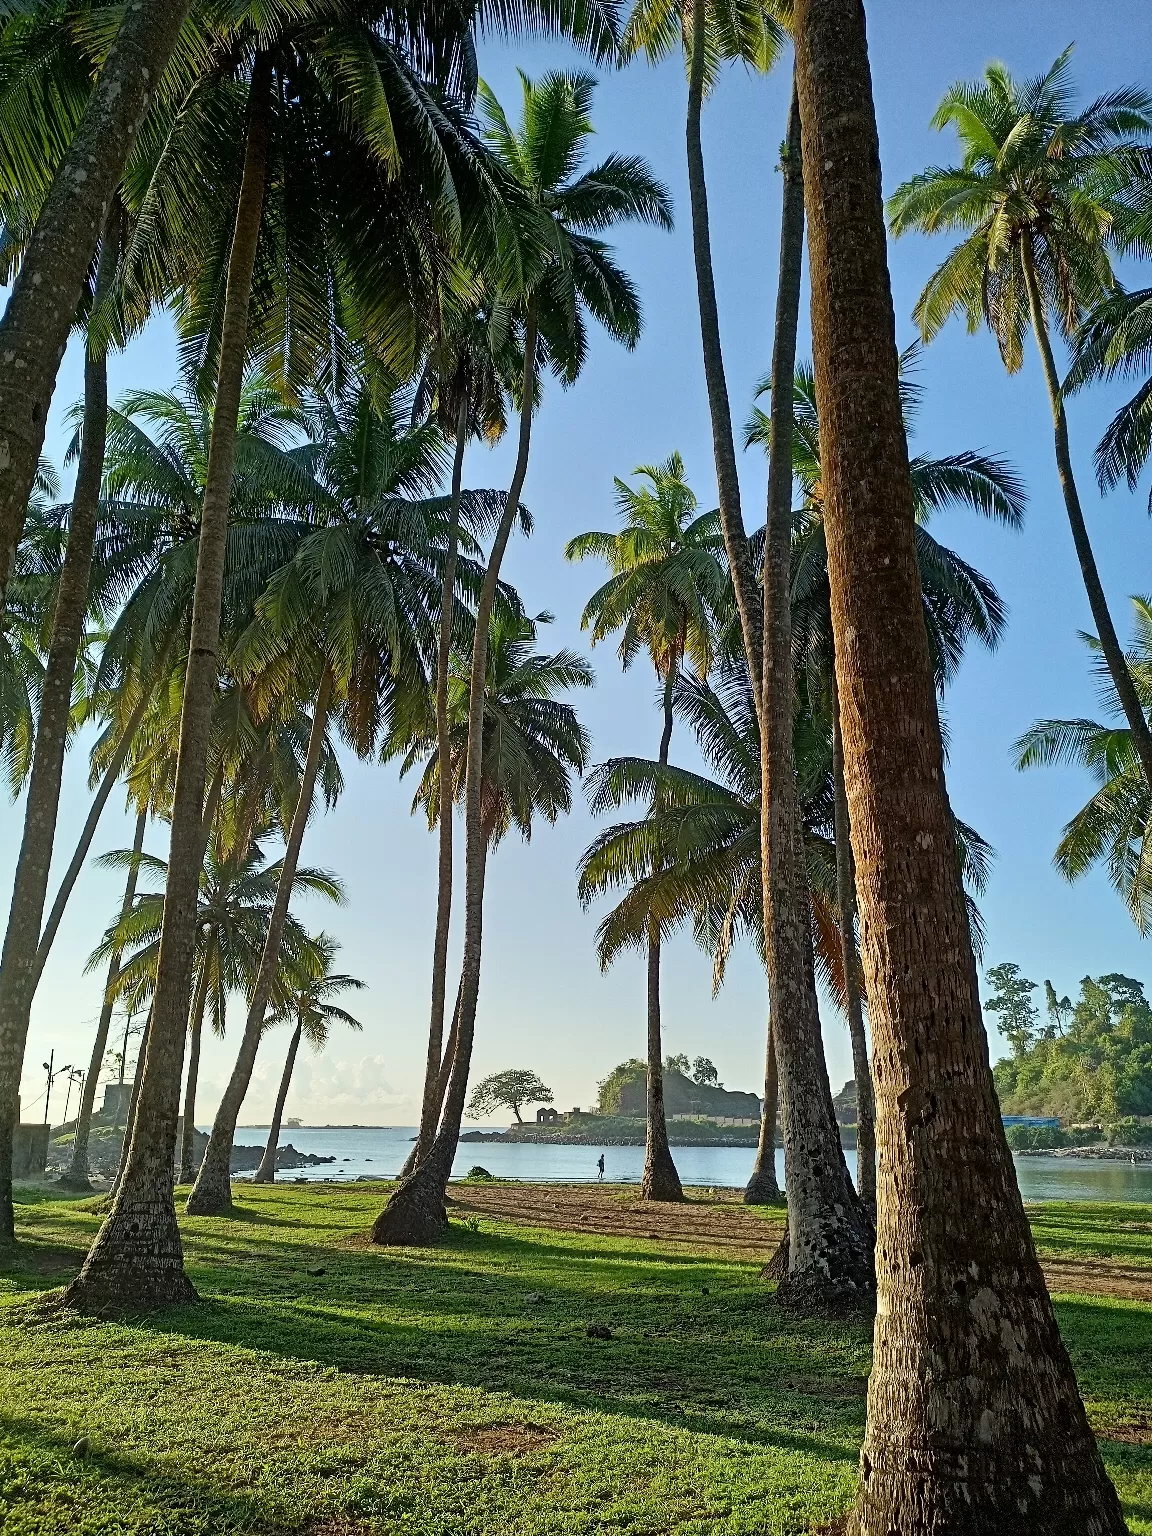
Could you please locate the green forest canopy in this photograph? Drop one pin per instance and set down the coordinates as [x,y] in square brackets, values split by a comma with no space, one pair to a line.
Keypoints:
[1088,1061]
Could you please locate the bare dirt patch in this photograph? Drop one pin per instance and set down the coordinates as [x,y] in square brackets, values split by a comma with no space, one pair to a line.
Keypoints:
[718,1222]
[502,1439]
[1098,1277]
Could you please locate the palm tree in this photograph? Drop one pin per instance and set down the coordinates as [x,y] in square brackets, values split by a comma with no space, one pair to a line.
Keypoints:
[312,1013]
[470,372]
[1042,195]
[347,621]
[959,603]
[1113,827]
[18,965]
[952,1237]
[48,288]
[1112,342]
[326,169]
[666,594]
[577,273]
[237,892]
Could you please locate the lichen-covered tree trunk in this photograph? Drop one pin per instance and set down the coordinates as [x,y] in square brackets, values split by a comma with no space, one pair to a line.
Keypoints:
[78,1176]
[660,1180]
[137,1258]
[415,1214]
[18,970]
[42,305]
[211,1195]
[975,1425]
[266,1173]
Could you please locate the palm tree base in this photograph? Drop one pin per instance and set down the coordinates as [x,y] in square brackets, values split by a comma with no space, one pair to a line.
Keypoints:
[815,1289]
[211,1195]
[415,1216]
[762,1188]
[661,1181]
[136,1263]
[260,1177]
[78,1184]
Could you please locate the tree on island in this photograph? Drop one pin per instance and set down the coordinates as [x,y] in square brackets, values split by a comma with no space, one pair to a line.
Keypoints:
[507,1090]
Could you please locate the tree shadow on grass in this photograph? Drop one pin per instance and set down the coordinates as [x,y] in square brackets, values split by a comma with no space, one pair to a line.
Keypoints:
[50,1470]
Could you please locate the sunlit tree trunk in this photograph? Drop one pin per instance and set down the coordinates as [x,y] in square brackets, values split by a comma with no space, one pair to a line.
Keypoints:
[266,1173]
[211,1195]
[415,1214]
[18,970]
[763,1188]
[137,1257]
[660,1180]
[1110,646]
[431,1102]
[78,1177]
[974,1424]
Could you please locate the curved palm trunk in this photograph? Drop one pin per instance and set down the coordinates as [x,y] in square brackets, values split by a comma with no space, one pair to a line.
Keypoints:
[723,443]
[660,1180]
[211,1195]
[50,283]
[84,841]
[266,1173]
[763,1188]
[18,971]
[137,1257]
[195,1029]
[430,1106]
[77,1176]
[974,1421]
[415,1214]
[1101,615]
[854,1012]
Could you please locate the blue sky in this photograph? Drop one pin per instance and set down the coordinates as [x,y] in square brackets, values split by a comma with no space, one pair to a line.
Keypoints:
[544,1002]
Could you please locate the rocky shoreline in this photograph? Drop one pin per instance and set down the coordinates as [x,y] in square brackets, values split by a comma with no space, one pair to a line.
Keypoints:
[1100,1154]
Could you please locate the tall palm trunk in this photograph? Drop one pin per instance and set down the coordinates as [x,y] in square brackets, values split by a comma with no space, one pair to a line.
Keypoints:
[415,1214]
[723,442]
[974,1421]
[49,285]
[763,1188]
[137,1256]
[30,888]
[84,841]
[195,1030]
[661,1180]
[853,1010]
[77,1176]
[430,1106]
[211,1195]
[1101,616]
[266,1173]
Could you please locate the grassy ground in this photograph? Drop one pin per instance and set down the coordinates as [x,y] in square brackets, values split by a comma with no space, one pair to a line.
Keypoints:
[328,1387]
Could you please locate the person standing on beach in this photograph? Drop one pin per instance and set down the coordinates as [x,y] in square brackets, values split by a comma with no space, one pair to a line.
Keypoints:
[600,1169]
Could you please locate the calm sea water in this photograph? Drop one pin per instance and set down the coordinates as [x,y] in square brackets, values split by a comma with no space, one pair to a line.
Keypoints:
[379,1152]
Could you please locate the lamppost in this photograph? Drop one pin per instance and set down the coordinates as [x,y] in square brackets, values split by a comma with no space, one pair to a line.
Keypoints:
[52,1076]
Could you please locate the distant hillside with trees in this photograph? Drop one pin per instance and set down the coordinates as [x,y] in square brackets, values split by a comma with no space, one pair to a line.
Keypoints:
[1088,1061]
[690,1088]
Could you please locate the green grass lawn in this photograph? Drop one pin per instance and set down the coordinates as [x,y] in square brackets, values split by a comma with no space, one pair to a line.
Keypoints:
[329,1387]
